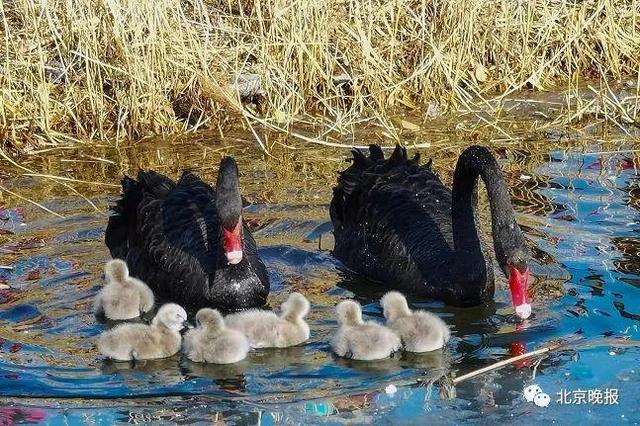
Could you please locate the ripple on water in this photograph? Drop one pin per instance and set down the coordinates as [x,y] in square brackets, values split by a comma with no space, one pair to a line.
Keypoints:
[578,212]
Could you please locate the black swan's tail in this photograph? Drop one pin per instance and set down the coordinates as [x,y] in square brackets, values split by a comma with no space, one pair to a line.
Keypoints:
[364,172]
[375,161]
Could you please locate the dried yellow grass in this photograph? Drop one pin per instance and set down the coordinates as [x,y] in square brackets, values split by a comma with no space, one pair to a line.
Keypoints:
[124,69]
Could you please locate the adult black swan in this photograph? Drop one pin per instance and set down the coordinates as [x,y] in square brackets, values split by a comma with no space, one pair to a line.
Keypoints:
[395,222]
[188,241]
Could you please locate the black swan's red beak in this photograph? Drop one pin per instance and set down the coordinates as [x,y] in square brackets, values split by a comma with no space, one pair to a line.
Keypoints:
[518,281]
[233,243]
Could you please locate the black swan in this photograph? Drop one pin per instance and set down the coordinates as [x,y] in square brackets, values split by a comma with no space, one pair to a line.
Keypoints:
[395,222]
[188,241]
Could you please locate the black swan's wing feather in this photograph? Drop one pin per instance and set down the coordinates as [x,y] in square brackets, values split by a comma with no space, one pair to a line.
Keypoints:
[375,153]
[190,221]
[155,183]
[393,221]
[361,161]
[122,223]
[177,239]
[398,157]
[122,220]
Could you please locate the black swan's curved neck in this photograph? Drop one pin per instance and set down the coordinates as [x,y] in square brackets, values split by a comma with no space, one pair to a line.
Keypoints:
[228,199]
[471,265]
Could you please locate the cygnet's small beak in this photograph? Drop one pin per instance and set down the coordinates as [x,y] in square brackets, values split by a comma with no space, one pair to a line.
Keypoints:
[185,324]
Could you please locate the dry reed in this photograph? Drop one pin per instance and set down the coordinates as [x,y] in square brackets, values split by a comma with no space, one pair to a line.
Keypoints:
[123,69]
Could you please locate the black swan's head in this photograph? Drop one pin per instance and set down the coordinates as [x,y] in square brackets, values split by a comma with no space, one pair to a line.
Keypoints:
[513,258]
[229,206]
[518,275]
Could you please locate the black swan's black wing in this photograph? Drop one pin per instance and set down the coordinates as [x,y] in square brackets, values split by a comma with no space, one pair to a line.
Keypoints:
[122,223]
[160,230]
[176,240]
[392,222]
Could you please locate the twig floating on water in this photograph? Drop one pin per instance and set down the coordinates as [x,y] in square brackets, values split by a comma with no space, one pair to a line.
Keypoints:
[30,201]
[66,179]
[504,363]
[623,341]
[622,151]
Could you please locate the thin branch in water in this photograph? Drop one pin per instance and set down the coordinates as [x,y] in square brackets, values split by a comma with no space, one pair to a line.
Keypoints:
[2,188]
[504,363]
[66,179]
[564,344]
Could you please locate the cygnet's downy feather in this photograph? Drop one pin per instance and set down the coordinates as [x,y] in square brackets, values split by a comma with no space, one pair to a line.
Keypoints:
[160,339]
[362,340]
[420,331]
[211,341]
[123,297]
[265,329]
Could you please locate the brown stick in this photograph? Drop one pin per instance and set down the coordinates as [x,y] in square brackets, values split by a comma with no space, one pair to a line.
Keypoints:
[575,344]
[2,188]
[505,362]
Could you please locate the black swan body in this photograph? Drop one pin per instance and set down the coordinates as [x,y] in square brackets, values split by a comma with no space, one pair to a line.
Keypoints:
[188,241]
[396,223]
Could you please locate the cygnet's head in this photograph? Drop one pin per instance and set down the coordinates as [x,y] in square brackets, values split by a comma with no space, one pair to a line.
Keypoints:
[349,312]
[296,306]
[116,271]
[210,319]
[394,306]
[171,316]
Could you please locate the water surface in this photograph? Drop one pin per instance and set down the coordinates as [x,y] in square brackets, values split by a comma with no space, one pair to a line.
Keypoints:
[579,210]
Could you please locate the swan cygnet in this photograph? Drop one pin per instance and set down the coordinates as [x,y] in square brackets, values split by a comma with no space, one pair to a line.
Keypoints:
[363,340]
[420,331]
[265,329]
[211,340]
[160,339]
[124,297]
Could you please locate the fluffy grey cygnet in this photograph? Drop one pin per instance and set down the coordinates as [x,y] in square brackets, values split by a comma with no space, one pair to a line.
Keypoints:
[362,340]
[420,331]
[124,297]
[265,329]
[160,339]
[211,340]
